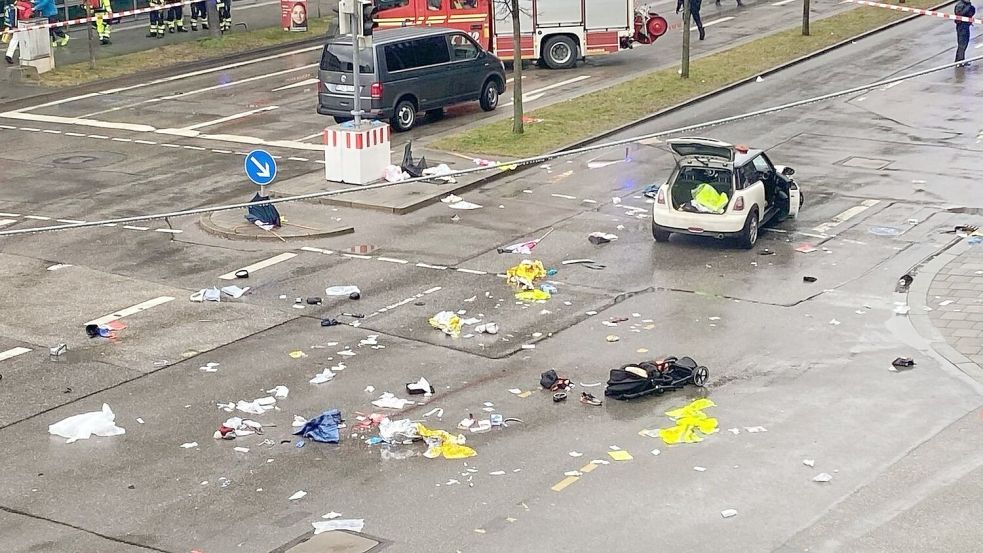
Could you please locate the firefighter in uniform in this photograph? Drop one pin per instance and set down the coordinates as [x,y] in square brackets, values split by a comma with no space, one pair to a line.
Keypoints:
[199,12]
[225,15]
[102,10]
[156,20]
[175,19]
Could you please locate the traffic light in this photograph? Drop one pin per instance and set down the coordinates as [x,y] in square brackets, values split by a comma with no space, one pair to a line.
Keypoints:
[369,11]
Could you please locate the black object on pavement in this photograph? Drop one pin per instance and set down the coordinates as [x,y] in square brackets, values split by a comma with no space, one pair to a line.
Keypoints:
[655,377]
[903,363]
[242,273]
[329,322]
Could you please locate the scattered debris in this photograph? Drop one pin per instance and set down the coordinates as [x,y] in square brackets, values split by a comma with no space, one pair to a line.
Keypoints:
[236,427]
[647,377]
[809,462]
[904,282]
[902,364]
[575,454]
[901,309]
[612,338]
[352,525]
[620,455]
[324,376]
[552,382]
[421,386]
[448,322]
[488,328]
[598,238]
[524,275]
[805,248]
[809,279]
[323,428]
[297,354]
[390,401]
[822,477]
[700,469]
[589,399]
[441,443]
[559,396]
[279,392]
[727,513]
[297,495]
[83,426]
[344,290]
[189,445]
[691,422]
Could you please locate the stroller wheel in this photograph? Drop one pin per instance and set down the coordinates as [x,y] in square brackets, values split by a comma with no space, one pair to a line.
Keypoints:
[700,376]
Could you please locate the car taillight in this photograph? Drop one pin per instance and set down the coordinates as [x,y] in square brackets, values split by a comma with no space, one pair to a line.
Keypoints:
[661,199]
[376,91]
[739,204]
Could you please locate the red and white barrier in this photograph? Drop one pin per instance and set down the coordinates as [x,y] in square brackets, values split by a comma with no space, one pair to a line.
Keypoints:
[108,15]
[356,156]
[941,15]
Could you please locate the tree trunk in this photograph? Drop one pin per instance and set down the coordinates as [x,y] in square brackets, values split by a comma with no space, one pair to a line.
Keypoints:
[213,20]
[805,17]
[684,64]
[516,70]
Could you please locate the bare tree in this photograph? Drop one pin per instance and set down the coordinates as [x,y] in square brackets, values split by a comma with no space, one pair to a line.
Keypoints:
[517,127]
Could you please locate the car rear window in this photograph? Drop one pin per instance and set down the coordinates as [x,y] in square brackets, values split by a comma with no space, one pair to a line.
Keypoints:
[338,57]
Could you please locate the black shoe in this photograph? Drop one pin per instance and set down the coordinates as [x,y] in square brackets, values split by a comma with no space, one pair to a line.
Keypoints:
[182,30]
[105,42]
[204,26]
[703,35]
[170,30]
[151,35]
[9,59]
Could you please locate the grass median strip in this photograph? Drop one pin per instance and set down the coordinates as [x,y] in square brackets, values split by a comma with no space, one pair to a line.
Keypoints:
[567,122]
[172,55]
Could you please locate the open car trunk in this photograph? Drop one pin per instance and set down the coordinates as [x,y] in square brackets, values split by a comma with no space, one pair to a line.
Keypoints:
[700,189]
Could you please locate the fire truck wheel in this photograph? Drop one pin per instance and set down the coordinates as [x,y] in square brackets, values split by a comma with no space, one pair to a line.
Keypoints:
[560,52]
[489,95]
[404,116]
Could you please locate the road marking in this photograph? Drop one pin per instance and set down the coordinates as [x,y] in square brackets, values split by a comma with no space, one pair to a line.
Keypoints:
[38,118]
[51,131]
[130,310]
[5,222]
[9,214]
[471,271]
[217,151]
[226,119]
[564,196]
[99,136]
[782,3]
[316,250]
[131,227]
[846,216]
[70,221]
[31,129]
[429,266]
[199,148]
[8,127]
[529,96]
[297,159]
[310,136]
[589,467]
[305,82]
[392,260]
[37,217]
[116,139]
[562,484]
[148,142]
[169,230]
[74,134]
[11,353]
[714,22]
[260,265]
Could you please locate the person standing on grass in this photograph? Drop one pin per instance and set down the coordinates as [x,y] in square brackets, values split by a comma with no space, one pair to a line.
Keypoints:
[694,11]
[963,8]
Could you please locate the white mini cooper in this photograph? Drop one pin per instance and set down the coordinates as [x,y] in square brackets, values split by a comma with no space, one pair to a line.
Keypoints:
[721,190]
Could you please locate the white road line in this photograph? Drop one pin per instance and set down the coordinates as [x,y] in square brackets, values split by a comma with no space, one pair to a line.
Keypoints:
[5,222]
[316,250]
[845,216]
[37,217]
[392,260]
[167,145]
[471,271]
[51,131]
[782,3]
[564,196]
[70,221]
[310,136]
[75,134]
[10,353]
[8,127]
[132,310]
[356,256]
[117,139]
[241,81]
[297,159]
[39,118]
[30,129]
[199,148]
[432,290]
[226,119]
[260,265]
[131,227]
[98,136]
[9,214]
[305,82]
[714,22]
[168,230]
[148,142]
[429,266]
[217,151]
[528,96]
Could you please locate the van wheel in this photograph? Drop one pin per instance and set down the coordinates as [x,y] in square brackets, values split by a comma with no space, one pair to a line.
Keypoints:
[560,52]
[489,96]
[659,234]
[749,235]
[339,119]
[404,116]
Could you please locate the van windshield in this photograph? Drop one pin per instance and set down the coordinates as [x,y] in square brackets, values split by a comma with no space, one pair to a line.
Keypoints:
[338,57]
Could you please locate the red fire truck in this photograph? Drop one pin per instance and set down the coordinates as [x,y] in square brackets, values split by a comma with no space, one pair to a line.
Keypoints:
[557,32]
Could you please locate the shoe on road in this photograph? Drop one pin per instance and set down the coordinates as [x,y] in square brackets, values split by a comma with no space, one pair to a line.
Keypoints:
[9,59]
[105,42]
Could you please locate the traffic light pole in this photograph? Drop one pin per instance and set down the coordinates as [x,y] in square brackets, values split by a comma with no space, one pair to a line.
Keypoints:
[356,31]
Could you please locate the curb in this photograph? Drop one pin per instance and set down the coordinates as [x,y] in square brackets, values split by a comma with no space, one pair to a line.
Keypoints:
[698,99]
[206,224]
[117,82]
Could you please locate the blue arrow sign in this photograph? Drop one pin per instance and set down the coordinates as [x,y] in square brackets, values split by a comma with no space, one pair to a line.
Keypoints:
[260,167]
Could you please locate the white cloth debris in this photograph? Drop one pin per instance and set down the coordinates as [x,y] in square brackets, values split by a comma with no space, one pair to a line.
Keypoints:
[189,445]
[441,171]
[451,199]
[369,389]
[297,495]
[212,294]
[464,205]
[822,477]
[85,425]
[241,449]
[438,412]
[576,454]
[253,407]
[342,290]
[487,328]
[422,385]
[390,401]
[331,515]
[395,174]
[370,340]
[755,429]
[234,291]
[322,377]
[298,421]
[353,525]
[809,462]
[402,429]
[279,392]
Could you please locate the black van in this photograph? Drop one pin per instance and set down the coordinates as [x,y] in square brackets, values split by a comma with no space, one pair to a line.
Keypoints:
[408,70]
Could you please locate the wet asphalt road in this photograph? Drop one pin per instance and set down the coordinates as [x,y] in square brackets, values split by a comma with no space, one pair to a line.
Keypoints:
[808,362]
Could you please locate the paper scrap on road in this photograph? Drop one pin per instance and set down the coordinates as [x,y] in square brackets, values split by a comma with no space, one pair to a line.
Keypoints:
[822,477]
[297,495]
[809,462]
[83,426]
[330,516]
[189,445]
[727,513]
[620,455]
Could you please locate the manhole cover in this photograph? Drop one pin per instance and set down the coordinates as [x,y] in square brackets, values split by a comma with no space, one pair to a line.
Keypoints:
[865,163]
[334,542]
[82,160]
[363,249]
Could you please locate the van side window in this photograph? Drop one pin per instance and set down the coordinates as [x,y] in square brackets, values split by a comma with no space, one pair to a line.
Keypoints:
[417,53]
[463,47]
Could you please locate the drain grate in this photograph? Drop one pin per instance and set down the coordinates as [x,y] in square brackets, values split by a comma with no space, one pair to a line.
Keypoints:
[865,163]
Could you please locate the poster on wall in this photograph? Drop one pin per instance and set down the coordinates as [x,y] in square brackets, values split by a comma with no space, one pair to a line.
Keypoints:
[293,15]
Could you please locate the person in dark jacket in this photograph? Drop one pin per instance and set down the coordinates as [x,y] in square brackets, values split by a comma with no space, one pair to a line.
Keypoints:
[964,8]
[694,11]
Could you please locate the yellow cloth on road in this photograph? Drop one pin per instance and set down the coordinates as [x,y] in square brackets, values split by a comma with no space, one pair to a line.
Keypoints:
[448,321]
[691,421]
[708,197]
[532,295]
[443,443]
[525,274]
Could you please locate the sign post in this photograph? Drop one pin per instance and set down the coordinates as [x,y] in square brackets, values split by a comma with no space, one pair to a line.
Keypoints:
[356,46]
[261,169]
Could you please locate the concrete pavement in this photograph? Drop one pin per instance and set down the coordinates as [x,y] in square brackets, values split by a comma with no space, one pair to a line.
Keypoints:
[808,362]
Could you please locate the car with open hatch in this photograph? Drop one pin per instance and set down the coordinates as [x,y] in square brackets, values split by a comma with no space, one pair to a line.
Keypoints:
[724,191]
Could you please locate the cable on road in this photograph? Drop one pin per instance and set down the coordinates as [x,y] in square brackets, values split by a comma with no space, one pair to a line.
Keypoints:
[506,165]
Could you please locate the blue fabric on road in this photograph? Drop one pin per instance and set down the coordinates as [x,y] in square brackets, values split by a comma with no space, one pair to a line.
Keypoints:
[323,428]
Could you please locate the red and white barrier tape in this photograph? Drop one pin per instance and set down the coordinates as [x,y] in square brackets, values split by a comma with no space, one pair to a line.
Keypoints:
[941,15]
[108,15]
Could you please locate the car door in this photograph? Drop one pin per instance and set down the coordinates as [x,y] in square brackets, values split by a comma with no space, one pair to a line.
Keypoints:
[756,174]
[467,65]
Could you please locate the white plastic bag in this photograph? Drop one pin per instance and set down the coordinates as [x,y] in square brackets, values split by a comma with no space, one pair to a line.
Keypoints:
[354,525]
[81,427]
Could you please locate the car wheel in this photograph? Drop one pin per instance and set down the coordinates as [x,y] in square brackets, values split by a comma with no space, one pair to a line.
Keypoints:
[339,119]
[489,96]
[659,234]
[435,114]
[749,235]
[404,116]
[560,52]
[802,198]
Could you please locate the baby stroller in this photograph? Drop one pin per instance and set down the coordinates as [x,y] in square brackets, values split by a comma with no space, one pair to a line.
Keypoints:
[655,377]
